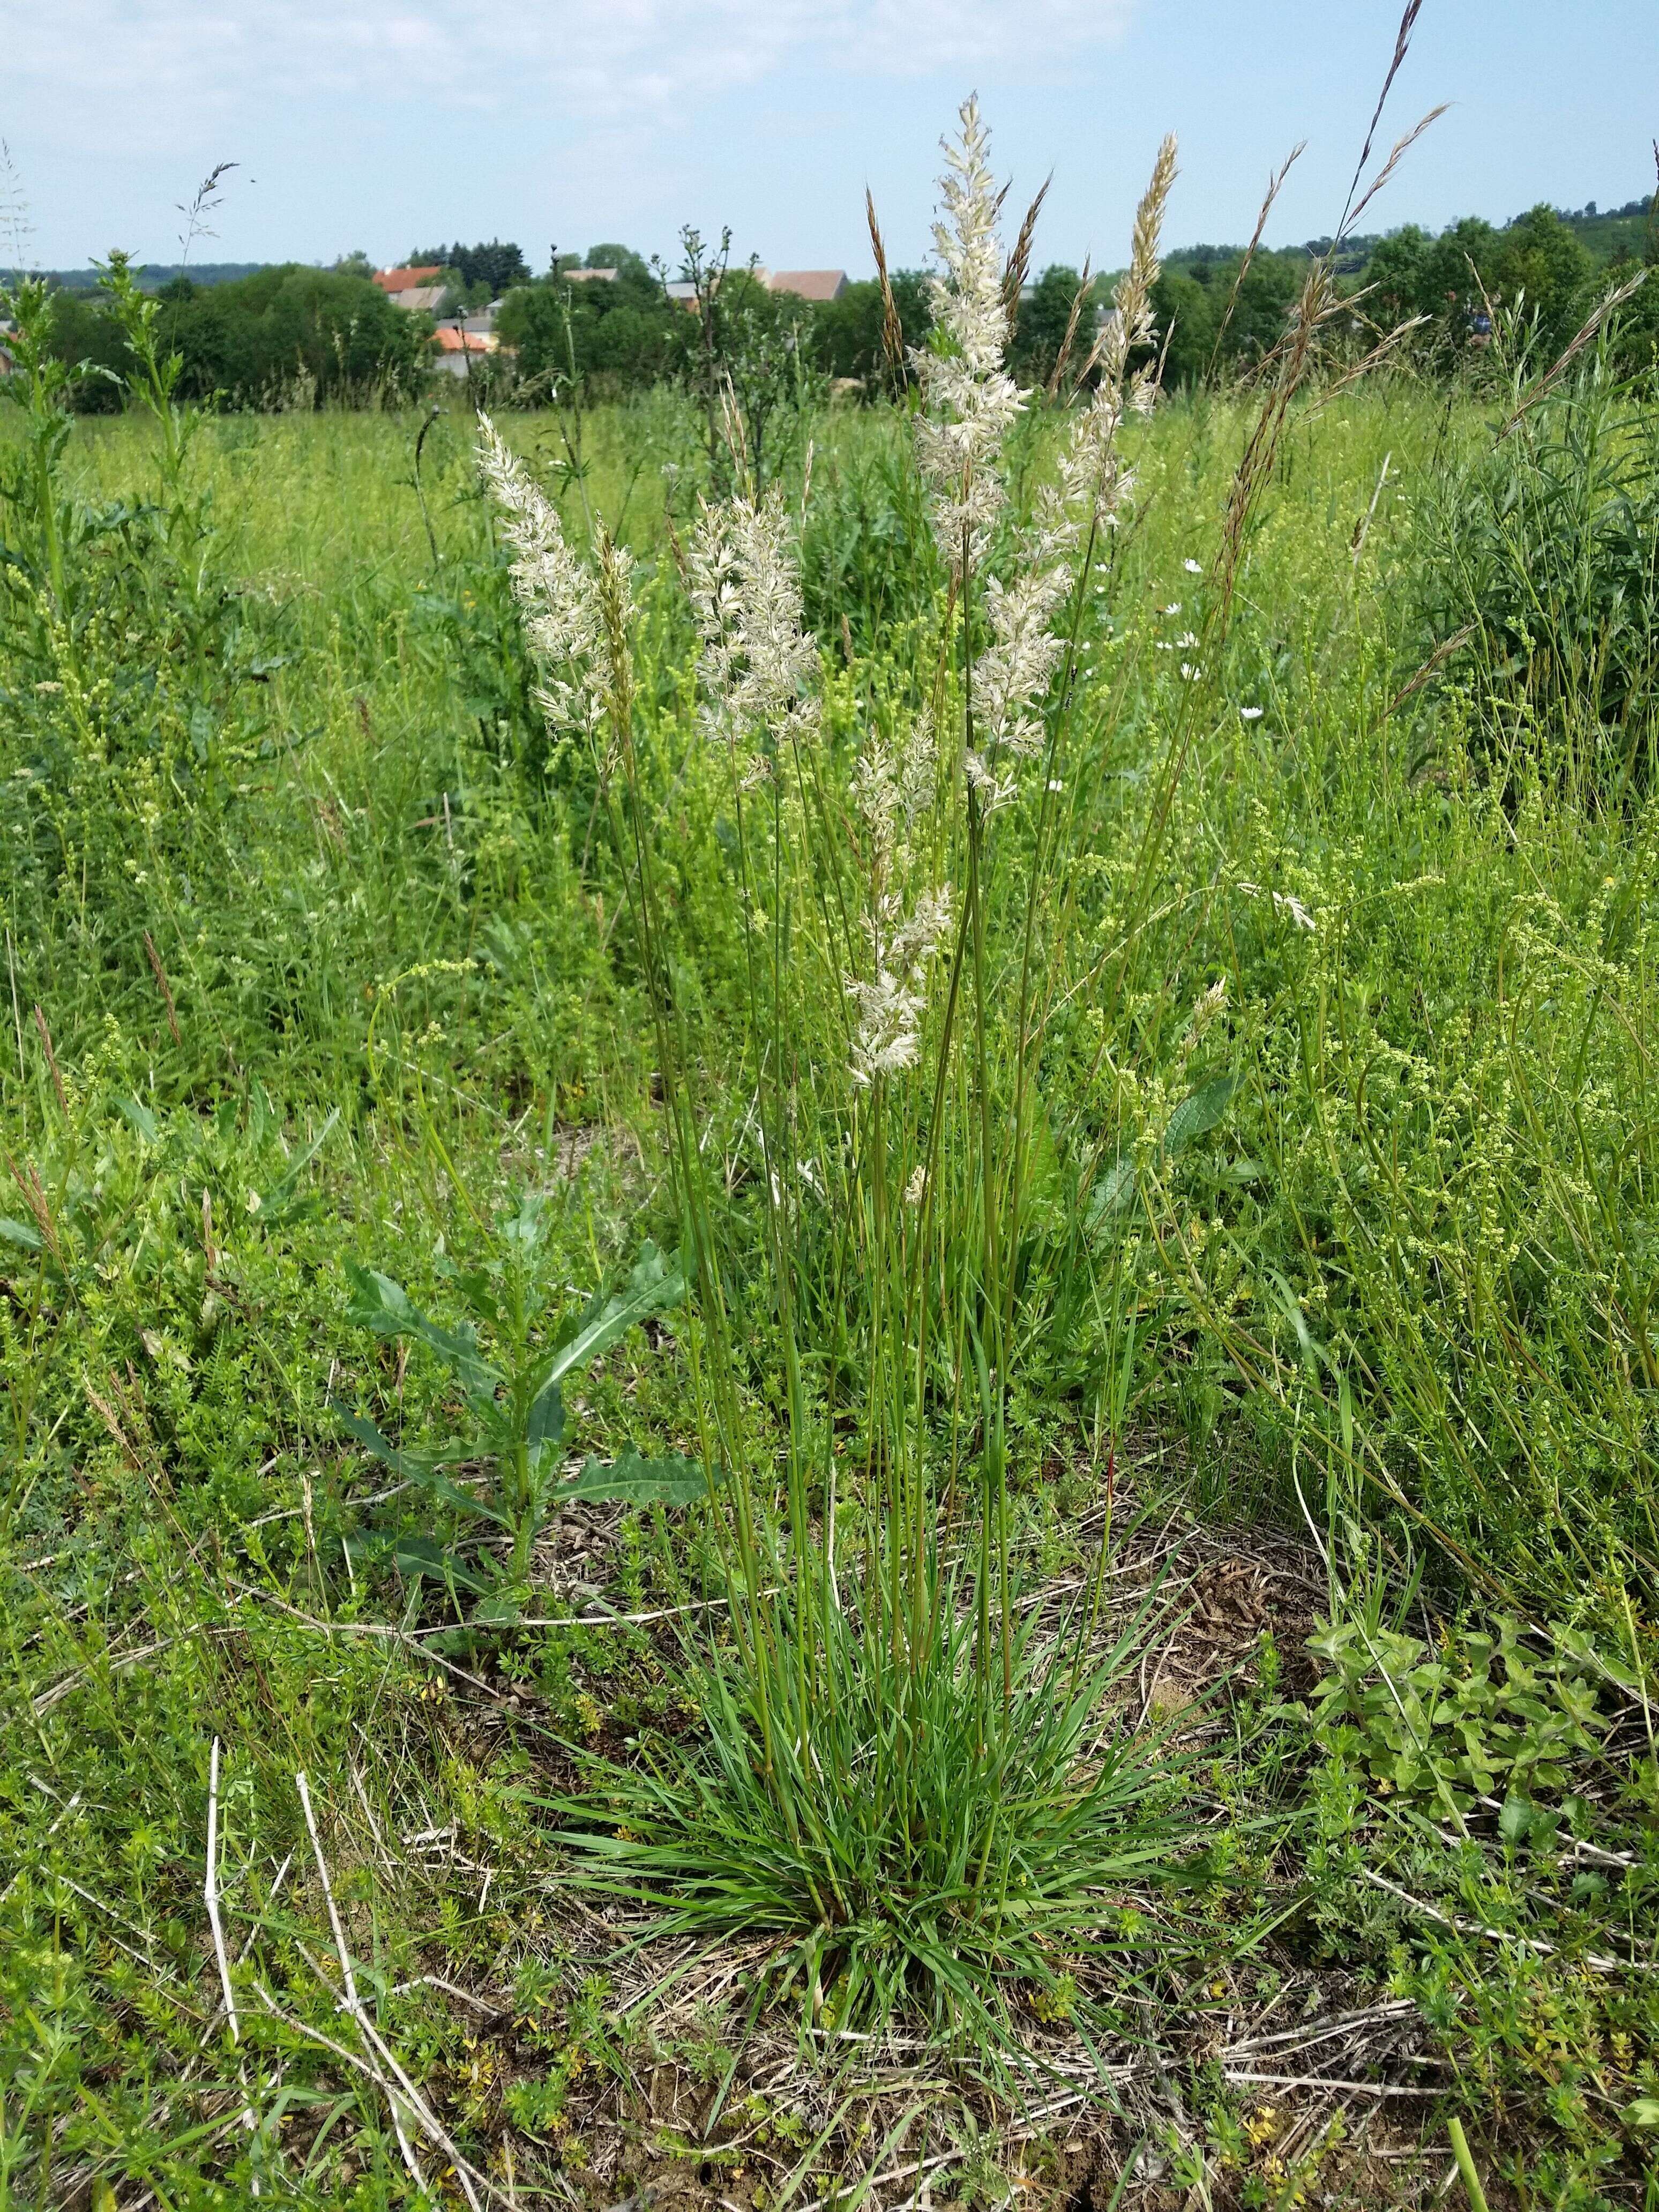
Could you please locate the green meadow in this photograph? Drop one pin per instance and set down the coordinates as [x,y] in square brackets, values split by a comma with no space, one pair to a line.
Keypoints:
[910,1552]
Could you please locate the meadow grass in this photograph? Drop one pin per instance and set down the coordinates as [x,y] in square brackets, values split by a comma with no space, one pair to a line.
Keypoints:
[1339,1192]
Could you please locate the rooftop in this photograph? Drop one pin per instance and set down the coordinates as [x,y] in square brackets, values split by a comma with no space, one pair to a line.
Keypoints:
[407,280]
[810,283]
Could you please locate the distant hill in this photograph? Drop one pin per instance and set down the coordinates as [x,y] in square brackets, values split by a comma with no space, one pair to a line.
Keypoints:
[155,274]
[1612,234]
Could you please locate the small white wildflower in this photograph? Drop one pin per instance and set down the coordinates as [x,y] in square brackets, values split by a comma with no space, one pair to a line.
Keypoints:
[1173,608]
[1193,567]
[1250,713]
[1185,638]
[1189,672]
[1162,645]
[1056,784]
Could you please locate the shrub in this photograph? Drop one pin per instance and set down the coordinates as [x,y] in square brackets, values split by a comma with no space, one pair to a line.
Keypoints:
[1540,550]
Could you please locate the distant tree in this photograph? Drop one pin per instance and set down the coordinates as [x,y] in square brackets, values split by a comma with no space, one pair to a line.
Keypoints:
[1208,313]
[1444,281]
[1040,324]
[623,258]
[619,336]
[265,339]
[354,264]
[1185,312]
[1539,261]
[493,269]
[845,337]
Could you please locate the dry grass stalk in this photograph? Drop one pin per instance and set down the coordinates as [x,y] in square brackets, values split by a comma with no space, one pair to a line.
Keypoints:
[1019,261]
[51,1059]
[210,1898]
[892,331]
[35,1198]
[405,2095]
[1402,47]
[1442,653]
[1275,184]
[1574,347]
[1396,153]
[1071,322]
[160,975]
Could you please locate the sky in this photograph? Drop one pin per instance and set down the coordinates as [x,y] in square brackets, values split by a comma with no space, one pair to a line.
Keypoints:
[387,125]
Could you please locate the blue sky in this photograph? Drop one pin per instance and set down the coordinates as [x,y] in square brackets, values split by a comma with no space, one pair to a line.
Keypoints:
[388,123]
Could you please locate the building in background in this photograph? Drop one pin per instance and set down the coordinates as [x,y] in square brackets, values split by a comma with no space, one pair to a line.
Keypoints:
[460,348]
[809,284]
[416,290]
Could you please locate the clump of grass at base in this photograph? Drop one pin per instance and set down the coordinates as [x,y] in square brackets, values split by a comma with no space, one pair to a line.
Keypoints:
[930,1859]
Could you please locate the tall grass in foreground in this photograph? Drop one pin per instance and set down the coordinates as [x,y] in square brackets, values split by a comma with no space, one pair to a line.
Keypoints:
[919,1788]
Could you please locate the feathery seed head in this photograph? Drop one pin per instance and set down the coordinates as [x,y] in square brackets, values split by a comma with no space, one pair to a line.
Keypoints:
[890,1006]
[970,401]
[559,595]
[756,660]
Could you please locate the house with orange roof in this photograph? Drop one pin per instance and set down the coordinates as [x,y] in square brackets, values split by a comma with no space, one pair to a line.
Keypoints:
[416,290]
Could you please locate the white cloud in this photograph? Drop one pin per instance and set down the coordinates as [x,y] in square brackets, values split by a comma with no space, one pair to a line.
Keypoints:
[126,76]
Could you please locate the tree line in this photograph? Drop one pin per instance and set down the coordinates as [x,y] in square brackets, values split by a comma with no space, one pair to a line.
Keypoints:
[293,335]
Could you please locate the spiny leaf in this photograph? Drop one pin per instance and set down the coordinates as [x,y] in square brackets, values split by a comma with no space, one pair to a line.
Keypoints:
[419,1555]
[673,1479]
[422,1467]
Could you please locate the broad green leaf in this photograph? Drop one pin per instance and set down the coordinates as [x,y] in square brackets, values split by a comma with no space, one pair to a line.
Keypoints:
[422,1467]
[1198,1113]
[360,1426]
[419,1555]
[1113,1195]
[1312,1353]
[1515,1822]
[19,1232]
[652,1285]
[672,1480]
[501,1608]
[546,1425]
[379,1303]
[141,1118]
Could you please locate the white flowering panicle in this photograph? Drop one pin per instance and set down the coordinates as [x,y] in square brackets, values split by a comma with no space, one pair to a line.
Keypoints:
[1091,485]
[755,661]
[970,401]
[891,1005]
[893,786]
[557,593]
